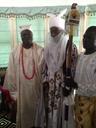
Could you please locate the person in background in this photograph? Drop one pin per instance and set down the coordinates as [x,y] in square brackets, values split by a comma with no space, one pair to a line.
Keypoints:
[85,77]
[23,77]
[55,96]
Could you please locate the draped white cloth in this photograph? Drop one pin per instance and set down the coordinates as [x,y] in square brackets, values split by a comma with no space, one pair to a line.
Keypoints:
[27,91]
[56,100]
[86,75]
[55,52]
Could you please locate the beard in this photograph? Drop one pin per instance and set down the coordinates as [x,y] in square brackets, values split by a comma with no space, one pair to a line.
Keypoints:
[57,38]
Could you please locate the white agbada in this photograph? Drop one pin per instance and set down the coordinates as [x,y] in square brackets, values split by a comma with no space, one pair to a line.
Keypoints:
[54,56]
[85,75]
[26,91]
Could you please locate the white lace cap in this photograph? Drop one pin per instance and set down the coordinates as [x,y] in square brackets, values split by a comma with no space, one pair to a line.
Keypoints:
[24,27]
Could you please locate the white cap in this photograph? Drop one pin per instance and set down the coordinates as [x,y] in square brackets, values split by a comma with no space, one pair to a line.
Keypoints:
[24,27]
[56,21]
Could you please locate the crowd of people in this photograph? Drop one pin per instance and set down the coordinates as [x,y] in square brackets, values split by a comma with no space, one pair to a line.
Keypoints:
[36,79]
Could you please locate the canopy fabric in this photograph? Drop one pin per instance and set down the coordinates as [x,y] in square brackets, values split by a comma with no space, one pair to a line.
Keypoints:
[39,11]
[16,16]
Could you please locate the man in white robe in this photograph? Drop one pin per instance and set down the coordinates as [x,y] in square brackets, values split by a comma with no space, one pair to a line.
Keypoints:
[54,99]
[23,78]
[85,76]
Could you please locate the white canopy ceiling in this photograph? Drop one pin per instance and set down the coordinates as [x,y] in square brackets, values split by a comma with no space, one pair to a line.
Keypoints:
[32,3]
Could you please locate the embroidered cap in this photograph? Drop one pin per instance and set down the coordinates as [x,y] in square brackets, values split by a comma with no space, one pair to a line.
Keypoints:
[24,27]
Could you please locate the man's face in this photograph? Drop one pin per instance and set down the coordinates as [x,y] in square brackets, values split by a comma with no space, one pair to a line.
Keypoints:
[26,36]
[54,31]
[89,39]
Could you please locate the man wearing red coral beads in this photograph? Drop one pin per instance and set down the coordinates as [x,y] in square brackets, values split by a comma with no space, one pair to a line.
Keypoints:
[23,78]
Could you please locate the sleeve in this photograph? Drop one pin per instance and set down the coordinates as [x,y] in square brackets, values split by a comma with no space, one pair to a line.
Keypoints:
[10,77]
[42,66]
[41,59]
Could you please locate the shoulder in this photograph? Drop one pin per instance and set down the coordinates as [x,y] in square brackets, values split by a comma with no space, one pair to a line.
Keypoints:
[81,55]
[38,47]
[16,49]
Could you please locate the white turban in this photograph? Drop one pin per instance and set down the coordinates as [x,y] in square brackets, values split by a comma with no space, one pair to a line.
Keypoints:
[24,27]
[57,22]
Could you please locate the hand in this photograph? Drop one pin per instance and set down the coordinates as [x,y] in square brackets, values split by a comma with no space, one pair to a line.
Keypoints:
[69,85]
[69,81]
[67,91]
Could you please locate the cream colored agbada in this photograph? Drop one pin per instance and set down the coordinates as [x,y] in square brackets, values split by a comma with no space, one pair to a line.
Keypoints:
[23,80]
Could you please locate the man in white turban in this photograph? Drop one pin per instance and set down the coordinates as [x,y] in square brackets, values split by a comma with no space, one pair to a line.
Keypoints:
[23,78]
[53,78]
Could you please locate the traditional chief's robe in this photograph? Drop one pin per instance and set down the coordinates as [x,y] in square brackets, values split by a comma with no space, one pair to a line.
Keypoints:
[25,91]
[51,108]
